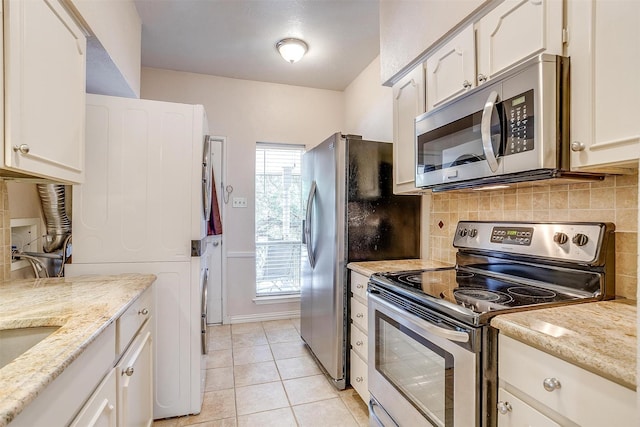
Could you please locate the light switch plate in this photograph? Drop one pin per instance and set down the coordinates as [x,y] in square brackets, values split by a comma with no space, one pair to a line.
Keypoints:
[239,202]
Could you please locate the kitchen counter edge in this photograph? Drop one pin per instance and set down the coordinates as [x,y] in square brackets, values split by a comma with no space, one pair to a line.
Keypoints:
[368,268]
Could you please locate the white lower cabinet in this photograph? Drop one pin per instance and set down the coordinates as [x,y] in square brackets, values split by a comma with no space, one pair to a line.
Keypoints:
[538,389]
[135,382]
[358,333]
[100,410]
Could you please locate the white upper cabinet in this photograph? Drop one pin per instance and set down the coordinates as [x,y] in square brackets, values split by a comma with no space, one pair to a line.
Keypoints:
[44,84]
[510,33]
[516,30]
[451,69]
[408,102]
[604,46]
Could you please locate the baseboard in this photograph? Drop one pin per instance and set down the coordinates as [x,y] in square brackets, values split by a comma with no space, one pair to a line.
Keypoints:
[264,317]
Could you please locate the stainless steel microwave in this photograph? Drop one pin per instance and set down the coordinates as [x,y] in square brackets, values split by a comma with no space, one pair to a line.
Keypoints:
[514,128]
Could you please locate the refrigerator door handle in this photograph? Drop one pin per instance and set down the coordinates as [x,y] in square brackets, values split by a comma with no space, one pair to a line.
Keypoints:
[307,225]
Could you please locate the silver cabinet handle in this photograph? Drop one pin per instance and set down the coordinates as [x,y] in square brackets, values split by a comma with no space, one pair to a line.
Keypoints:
[551,384]
[359,315]
[485,131]
[359,286]
[466,84]
[577,146]
[359,379]
[482,78]
[215,244]
[128,372]
[22,148]
[144,311]
[504,407]
[359,343]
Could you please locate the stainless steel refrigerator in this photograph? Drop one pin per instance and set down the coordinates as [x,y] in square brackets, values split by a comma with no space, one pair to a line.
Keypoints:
[351,215]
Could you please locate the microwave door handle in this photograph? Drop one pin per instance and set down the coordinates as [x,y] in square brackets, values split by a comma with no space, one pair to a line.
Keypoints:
[485,131]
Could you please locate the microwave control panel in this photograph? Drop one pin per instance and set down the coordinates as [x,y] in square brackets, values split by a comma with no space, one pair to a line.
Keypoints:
[519,120]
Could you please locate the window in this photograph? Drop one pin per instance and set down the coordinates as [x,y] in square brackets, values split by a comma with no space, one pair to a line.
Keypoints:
[278,219]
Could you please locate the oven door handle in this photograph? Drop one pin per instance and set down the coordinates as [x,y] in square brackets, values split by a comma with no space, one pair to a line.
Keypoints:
[457,336]
[376,417]
[485,131]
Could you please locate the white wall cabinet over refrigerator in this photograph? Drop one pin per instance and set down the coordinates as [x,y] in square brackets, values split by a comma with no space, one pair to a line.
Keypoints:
[44,91]
[408,102]
[605,59]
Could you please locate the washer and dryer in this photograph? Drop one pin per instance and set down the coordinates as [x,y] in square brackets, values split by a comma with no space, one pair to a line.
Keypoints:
[143,208]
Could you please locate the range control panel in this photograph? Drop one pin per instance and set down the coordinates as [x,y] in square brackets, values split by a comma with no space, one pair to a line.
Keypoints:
[564,241]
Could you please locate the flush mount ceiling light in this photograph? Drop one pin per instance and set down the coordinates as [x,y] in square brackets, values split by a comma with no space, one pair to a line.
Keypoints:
[292,50]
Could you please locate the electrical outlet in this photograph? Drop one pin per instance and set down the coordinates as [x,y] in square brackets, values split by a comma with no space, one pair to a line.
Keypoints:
[239,202]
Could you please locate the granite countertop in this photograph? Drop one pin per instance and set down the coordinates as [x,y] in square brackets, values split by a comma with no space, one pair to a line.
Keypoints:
[370,267]
[82,306]
[599,336]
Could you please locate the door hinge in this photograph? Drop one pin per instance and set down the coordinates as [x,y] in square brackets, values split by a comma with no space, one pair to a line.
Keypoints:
[565,35]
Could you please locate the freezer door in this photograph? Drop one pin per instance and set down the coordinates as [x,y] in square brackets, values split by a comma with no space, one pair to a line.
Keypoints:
[322,293]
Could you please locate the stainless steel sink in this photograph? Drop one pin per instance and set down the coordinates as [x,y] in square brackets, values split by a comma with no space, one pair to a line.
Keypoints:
[15,342]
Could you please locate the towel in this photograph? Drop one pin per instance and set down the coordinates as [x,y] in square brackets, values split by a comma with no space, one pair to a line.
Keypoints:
[215,221]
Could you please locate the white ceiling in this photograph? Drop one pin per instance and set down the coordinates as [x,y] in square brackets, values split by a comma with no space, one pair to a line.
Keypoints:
[236,38]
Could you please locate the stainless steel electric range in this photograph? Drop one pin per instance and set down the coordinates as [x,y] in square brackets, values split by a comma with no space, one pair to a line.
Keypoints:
[433,357]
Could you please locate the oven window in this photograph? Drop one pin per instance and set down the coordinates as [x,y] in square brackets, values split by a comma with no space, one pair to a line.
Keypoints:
[421,371]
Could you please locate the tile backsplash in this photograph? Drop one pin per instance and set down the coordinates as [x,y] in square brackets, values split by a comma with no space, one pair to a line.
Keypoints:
[613,200]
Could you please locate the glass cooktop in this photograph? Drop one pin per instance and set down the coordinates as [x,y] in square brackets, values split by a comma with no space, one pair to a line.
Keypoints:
[481,293]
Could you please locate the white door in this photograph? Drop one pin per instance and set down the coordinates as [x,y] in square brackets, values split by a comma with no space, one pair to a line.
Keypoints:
[216,253]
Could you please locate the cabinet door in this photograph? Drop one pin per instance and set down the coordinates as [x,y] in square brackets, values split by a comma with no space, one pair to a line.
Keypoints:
[100,410]
[408,102]
[135,382]
[44,90]
[605,59]
[516,30]
[451,69]
[513,412]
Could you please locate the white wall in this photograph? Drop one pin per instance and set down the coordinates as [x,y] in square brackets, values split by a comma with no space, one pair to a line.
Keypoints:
[369,106]
[247,112]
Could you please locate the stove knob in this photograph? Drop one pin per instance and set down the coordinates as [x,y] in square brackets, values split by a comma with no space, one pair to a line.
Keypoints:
[560,238]
[473,232]
[463,232]
[580,239]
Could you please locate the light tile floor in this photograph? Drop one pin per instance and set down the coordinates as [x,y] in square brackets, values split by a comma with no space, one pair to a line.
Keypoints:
[261,374]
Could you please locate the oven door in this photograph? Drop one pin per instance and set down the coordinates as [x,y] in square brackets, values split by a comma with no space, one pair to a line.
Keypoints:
[420,373]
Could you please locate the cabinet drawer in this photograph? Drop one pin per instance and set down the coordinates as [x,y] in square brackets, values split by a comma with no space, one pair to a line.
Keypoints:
[100,410]
[359,314]
[359,379]
[519,413]
[583,397]
[359,342]
[359,285]
[132,319]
